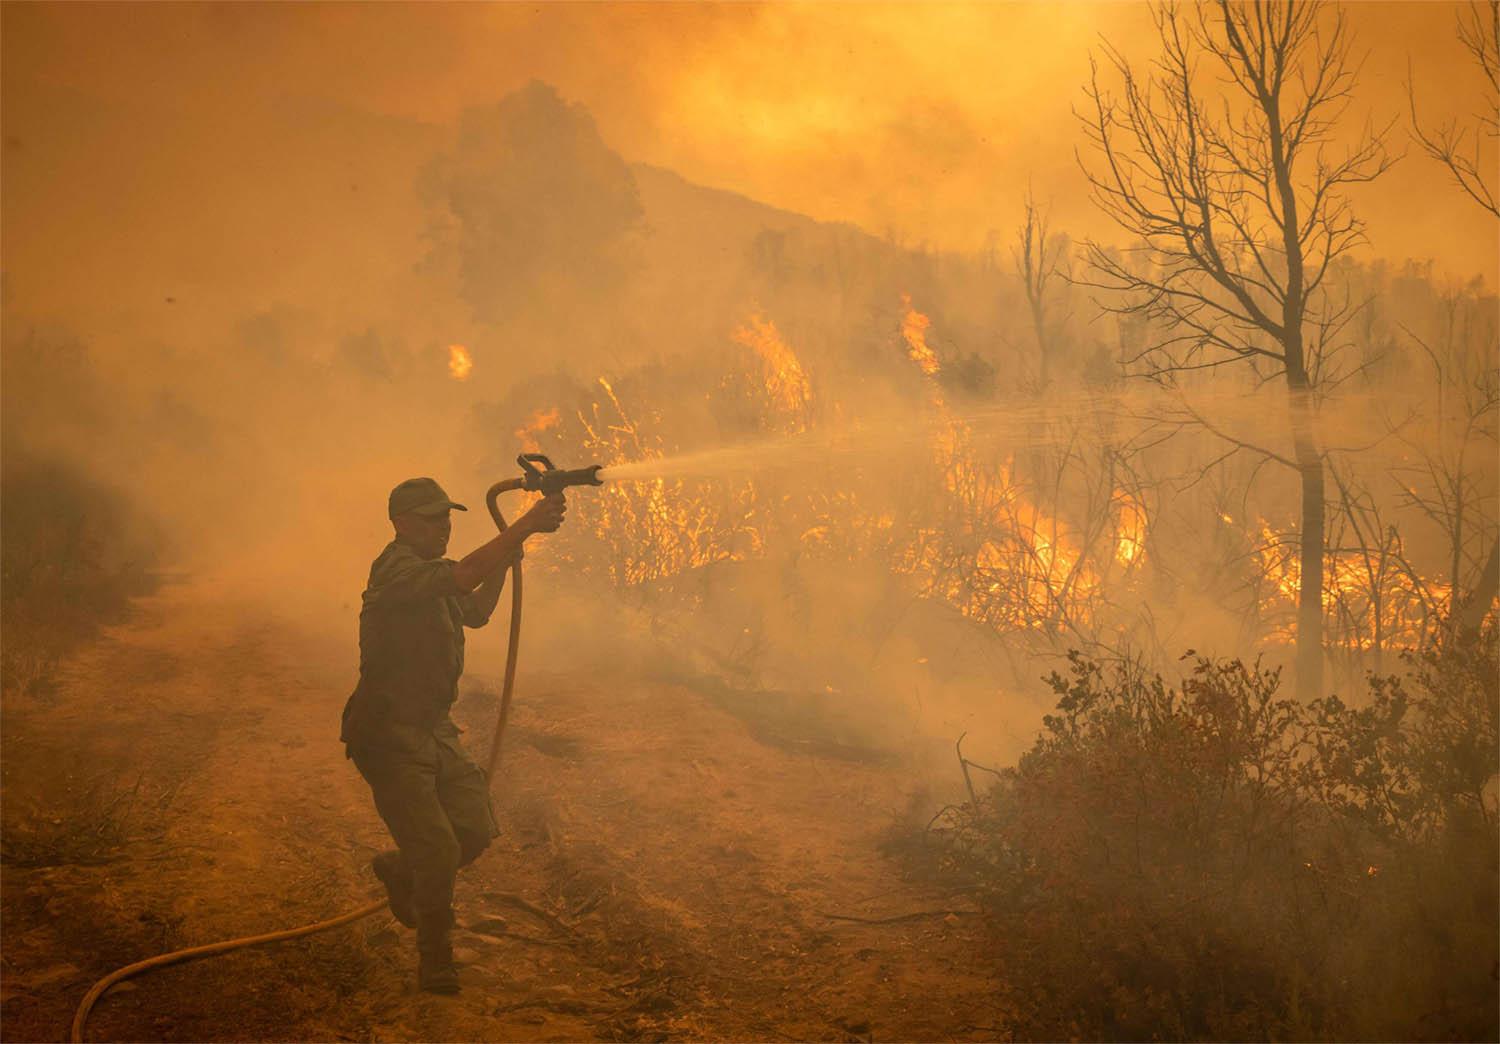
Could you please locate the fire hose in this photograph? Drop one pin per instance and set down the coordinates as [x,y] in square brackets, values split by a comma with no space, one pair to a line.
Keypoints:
[546,480]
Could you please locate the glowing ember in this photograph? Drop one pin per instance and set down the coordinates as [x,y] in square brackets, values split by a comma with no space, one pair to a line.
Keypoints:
[460,362]
[914,329]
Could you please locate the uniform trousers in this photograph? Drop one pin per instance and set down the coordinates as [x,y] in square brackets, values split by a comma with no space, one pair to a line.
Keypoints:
[436,803]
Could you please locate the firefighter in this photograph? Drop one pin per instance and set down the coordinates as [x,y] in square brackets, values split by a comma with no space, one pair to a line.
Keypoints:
[396,728]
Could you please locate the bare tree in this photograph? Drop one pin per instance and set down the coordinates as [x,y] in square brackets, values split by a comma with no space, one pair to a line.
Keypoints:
[1469,154]
[1450,474]
[1038,257]
[1468,150]
[1227,162]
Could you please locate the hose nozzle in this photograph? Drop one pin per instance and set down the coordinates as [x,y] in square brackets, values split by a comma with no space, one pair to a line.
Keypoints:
[549,479]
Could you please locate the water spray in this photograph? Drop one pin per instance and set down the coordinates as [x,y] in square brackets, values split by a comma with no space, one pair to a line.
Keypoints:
[1360,419]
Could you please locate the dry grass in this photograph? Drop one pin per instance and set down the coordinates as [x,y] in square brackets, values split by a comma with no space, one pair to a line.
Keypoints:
[87,825]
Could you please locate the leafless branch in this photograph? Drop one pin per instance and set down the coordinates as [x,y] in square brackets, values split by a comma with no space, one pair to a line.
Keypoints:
[1467,150]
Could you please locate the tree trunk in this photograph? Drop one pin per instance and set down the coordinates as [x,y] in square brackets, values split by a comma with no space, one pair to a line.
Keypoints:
[1471,616]
[1039,324]
[1304,437]
[1310,592]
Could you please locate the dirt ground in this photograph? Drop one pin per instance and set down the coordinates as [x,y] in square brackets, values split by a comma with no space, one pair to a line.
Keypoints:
[673,865]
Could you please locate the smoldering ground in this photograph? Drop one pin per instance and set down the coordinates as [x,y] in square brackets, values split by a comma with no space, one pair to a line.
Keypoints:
[844,507]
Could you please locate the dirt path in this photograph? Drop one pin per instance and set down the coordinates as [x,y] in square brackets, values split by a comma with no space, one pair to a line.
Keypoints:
[668,869]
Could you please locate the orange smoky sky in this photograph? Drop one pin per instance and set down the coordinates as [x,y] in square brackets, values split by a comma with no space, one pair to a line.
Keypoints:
[211,146]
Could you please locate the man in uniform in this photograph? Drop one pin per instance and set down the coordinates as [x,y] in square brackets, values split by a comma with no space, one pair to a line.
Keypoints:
[396,728]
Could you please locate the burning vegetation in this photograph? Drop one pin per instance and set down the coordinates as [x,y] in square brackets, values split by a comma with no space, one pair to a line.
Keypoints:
[999,541]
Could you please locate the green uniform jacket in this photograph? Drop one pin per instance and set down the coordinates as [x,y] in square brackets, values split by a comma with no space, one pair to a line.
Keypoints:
[411,645]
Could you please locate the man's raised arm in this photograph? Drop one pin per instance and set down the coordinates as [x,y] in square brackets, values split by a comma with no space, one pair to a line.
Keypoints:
[544,517]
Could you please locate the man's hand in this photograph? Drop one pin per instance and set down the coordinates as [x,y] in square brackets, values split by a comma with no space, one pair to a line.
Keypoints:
[545,515]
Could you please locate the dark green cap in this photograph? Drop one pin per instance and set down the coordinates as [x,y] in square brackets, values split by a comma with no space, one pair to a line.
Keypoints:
[422,495]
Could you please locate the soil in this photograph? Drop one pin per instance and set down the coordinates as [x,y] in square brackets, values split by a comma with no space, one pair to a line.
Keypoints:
[673,863]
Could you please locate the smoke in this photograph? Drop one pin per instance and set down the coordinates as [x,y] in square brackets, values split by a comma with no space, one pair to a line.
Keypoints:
[927,123]
[265,336]
[262,263]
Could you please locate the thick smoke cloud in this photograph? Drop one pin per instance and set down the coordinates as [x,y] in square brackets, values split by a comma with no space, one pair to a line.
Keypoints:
[267,252]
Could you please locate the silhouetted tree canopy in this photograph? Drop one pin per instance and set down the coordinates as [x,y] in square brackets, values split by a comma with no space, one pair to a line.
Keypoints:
[530,202]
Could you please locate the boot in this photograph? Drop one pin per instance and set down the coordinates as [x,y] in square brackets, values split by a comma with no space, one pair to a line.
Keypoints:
[391,870]
[436,972]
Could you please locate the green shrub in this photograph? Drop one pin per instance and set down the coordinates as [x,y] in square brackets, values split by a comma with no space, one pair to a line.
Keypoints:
[1210,860]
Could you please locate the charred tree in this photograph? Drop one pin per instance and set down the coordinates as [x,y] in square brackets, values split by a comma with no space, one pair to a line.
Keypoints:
[1451,476]
[1227,163]
[1470,616]
[1038,257]
[1468,153]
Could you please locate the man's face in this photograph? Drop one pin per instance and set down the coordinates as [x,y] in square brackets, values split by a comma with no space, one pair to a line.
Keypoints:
[427,534]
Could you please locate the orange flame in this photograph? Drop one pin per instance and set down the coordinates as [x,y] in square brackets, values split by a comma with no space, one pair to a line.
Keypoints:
[914,329]
[1029,570]
[538,422]
[460,362]
[656,528]
[1375,604]
[1028,573]
[1130,529]
[786,380]
[1003,555]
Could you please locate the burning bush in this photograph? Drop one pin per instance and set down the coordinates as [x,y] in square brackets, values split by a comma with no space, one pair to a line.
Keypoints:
[1210,860]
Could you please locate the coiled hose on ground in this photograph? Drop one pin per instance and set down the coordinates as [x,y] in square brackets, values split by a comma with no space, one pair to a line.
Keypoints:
[492,762]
